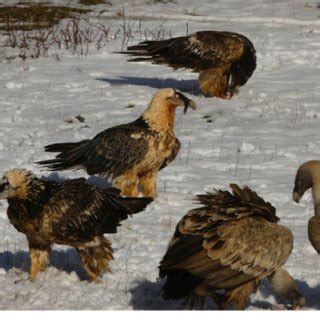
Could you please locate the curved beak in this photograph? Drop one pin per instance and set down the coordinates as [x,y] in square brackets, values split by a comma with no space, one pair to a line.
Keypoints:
[296,196]
[187,102]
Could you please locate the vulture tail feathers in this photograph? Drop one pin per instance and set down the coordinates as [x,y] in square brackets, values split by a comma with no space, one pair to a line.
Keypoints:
[70,155]
[120,208]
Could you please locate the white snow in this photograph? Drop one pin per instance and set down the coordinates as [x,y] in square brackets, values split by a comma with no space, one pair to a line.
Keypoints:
[258,139]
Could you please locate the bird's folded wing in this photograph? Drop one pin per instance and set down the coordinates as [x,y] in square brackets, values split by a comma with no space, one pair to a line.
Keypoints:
[116,151]
[76,212]
[199,51]
[232,253]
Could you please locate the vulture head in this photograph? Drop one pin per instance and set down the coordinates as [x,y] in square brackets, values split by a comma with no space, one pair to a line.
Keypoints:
[308,176]
[160,113]
[19,184]
[174,98]
[178,99]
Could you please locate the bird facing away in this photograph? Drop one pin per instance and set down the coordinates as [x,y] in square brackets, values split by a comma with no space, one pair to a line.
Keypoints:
[229,244]
[225,60]
[130,154]
[72,213]
[308,176]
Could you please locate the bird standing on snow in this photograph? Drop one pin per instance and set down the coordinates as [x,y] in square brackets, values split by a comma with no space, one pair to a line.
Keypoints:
[230,244]
[217,55]
[308,176]
[129,154]
[72,213]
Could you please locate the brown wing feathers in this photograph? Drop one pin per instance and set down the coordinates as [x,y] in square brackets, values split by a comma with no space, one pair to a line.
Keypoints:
[199,51]
[110,153]
[176,52]
[232,240]
[86,211]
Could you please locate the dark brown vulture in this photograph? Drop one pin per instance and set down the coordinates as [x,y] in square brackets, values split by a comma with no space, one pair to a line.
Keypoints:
[224,249]
[72,213]
[308,176]
[225,60]
[130,154]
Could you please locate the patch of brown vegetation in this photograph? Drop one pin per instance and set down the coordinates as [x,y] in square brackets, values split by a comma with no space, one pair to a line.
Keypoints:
[93,2]
[27,17]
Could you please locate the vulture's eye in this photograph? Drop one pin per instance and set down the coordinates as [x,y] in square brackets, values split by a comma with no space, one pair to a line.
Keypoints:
[3,186]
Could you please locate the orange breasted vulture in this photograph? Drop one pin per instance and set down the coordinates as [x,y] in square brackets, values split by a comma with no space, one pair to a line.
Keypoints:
[225,248]
[130,154]
[224,60]
[72,213]
[308,176]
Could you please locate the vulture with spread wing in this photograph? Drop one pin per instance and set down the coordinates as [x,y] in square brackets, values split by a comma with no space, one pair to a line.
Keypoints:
[224,249]
[130,154]
[225,60]
[72,213]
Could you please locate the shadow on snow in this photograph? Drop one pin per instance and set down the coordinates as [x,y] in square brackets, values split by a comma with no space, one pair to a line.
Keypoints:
[188,86]
[67,261]
[147,295]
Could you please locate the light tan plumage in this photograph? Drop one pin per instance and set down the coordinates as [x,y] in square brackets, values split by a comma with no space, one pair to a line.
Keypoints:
[72,213]
[130,154]
[308,176]
[231,243]
[225,60]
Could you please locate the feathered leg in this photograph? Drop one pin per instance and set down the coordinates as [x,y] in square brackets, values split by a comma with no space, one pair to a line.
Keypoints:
[128,184]
[95,257]
[214,82]
[39,256]
[148,183]
[239,296]
[203,291]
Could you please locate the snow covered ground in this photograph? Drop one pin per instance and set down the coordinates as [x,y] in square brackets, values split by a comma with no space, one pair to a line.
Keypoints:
[259,139]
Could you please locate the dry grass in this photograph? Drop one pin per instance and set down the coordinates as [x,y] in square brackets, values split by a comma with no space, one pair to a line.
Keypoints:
[76,36]
[35,31]
[93,2]
[28,17]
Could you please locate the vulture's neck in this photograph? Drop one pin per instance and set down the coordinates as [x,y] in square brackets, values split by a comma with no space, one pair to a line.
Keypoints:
[316,193]
[160,115]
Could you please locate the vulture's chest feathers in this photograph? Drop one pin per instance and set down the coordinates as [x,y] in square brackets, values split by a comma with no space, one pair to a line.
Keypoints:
[24,216]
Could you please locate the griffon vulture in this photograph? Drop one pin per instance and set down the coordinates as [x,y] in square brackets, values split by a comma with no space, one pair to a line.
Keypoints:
[225,248]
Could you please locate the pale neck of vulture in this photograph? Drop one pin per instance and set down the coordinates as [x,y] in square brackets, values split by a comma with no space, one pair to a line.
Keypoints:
[316,191]
[160,115]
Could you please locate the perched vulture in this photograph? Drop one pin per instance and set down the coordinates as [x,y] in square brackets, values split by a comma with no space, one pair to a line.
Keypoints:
[130,154]
[216,55]
[72,213]
[225,248]
[308,176]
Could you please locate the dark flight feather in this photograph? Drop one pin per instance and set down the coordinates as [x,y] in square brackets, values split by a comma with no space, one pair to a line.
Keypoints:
[110,153]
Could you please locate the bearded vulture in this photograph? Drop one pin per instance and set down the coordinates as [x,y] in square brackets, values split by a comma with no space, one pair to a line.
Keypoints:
[308,176]
[130,154]
[225,248]
[72,213]
[225,60]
